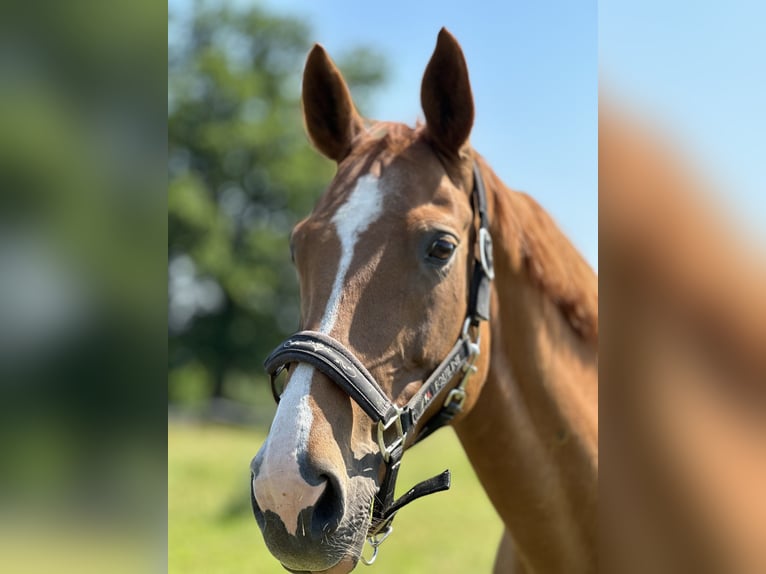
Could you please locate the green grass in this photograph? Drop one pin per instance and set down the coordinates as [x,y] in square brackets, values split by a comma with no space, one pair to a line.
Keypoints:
[211,529]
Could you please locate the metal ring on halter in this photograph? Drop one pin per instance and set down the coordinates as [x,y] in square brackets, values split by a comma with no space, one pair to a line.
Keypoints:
[466,333]
[375,541]
[372,559]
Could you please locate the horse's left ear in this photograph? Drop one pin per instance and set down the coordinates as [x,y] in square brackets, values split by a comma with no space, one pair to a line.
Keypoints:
[446,96]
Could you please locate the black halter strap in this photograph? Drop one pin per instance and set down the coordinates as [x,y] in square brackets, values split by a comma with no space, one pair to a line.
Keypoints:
[396,424]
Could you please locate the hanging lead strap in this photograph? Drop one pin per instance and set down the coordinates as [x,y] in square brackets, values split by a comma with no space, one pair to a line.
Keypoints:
[382,526]
[431,485]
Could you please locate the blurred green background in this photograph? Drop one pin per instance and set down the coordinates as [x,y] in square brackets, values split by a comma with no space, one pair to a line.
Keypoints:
[241,173]
[83,405]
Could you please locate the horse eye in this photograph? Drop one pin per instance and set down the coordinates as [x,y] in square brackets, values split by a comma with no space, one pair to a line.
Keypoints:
[441,250]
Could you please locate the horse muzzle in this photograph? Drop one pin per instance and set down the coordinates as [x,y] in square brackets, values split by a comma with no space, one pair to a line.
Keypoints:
[313,538]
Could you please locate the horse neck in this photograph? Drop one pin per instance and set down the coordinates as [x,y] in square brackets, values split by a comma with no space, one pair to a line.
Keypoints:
[533,434]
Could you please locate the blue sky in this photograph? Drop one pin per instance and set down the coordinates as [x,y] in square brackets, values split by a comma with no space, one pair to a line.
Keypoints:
[700,68]
[534,73]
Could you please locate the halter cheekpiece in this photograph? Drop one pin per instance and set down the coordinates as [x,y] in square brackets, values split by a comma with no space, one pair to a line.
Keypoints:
[394,424]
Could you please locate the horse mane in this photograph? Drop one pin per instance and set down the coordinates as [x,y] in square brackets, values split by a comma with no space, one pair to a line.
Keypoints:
[546,256]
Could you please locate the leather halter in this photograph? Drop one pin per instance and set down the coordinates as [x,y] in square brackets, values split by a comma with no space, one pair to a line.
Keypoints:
[446,384]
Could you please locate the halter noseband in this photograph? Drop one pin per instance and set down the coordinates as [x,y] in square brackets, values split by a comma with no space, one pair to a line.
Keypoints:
[334,360]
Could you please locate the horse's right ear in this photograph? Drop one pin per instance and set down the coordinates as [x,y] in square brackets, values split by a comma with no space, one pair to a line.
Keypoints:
[446,96]
[331,119]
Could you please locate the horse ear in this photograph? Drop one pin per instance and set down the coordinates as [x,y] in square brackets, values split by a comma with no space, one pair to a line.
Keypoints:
[331,119]
[446,95]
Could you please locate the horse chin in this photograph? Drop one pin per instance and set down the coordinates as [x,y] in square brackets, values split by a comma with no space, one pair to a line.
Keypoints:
[346,565]
[321,564]
[328,561]
[334,552]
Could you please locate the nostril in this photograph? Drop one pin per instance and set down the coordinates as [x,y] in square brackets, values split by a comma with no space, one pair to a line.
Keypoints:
[292,506]
[328,510]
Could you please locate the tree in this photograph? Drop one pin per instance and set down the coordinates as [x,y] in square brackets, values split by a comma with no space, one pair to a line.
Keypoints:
[241,173]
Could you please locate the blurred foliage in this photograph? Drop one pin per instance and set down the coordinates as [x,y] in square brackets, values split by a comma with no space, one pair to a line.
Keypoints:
[241,174]
[82,224]
[82,283]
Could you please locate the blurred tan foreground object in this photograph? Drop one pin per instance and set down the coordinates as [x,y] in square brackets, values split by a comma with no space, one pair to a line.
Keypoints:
[683,366]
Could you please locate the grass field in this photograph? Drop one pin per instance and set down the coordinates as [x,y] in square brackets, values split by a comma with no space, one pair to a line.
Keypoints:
[211,529]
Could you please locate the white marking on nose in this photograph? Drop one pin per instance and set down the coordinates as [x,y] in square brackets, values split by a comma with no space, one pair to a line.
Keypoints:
[363,206]
[279,486]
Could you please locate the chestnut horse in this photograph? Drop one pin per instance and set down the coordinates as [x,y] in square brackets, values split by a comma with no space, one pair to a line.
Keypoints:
[686,368]
[388,264]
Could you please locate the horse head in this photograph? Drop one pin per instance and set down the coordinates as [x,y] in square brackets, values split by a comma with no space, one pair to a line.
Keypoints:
[385,263]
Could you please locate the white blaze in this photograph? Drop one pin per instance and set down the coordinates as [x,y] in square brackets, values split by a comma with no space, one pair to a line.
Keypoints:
[279,473]
[361,209]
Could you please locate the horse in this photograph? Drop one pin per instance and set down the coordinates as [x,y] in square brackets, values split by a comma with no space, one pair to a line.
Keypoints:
[685,367]
[431,295]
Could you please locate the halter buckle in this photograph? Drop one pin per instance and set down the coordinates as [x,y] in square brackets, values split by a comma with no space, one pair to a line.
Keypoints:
[485,252]
[396,421]
[456,397]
